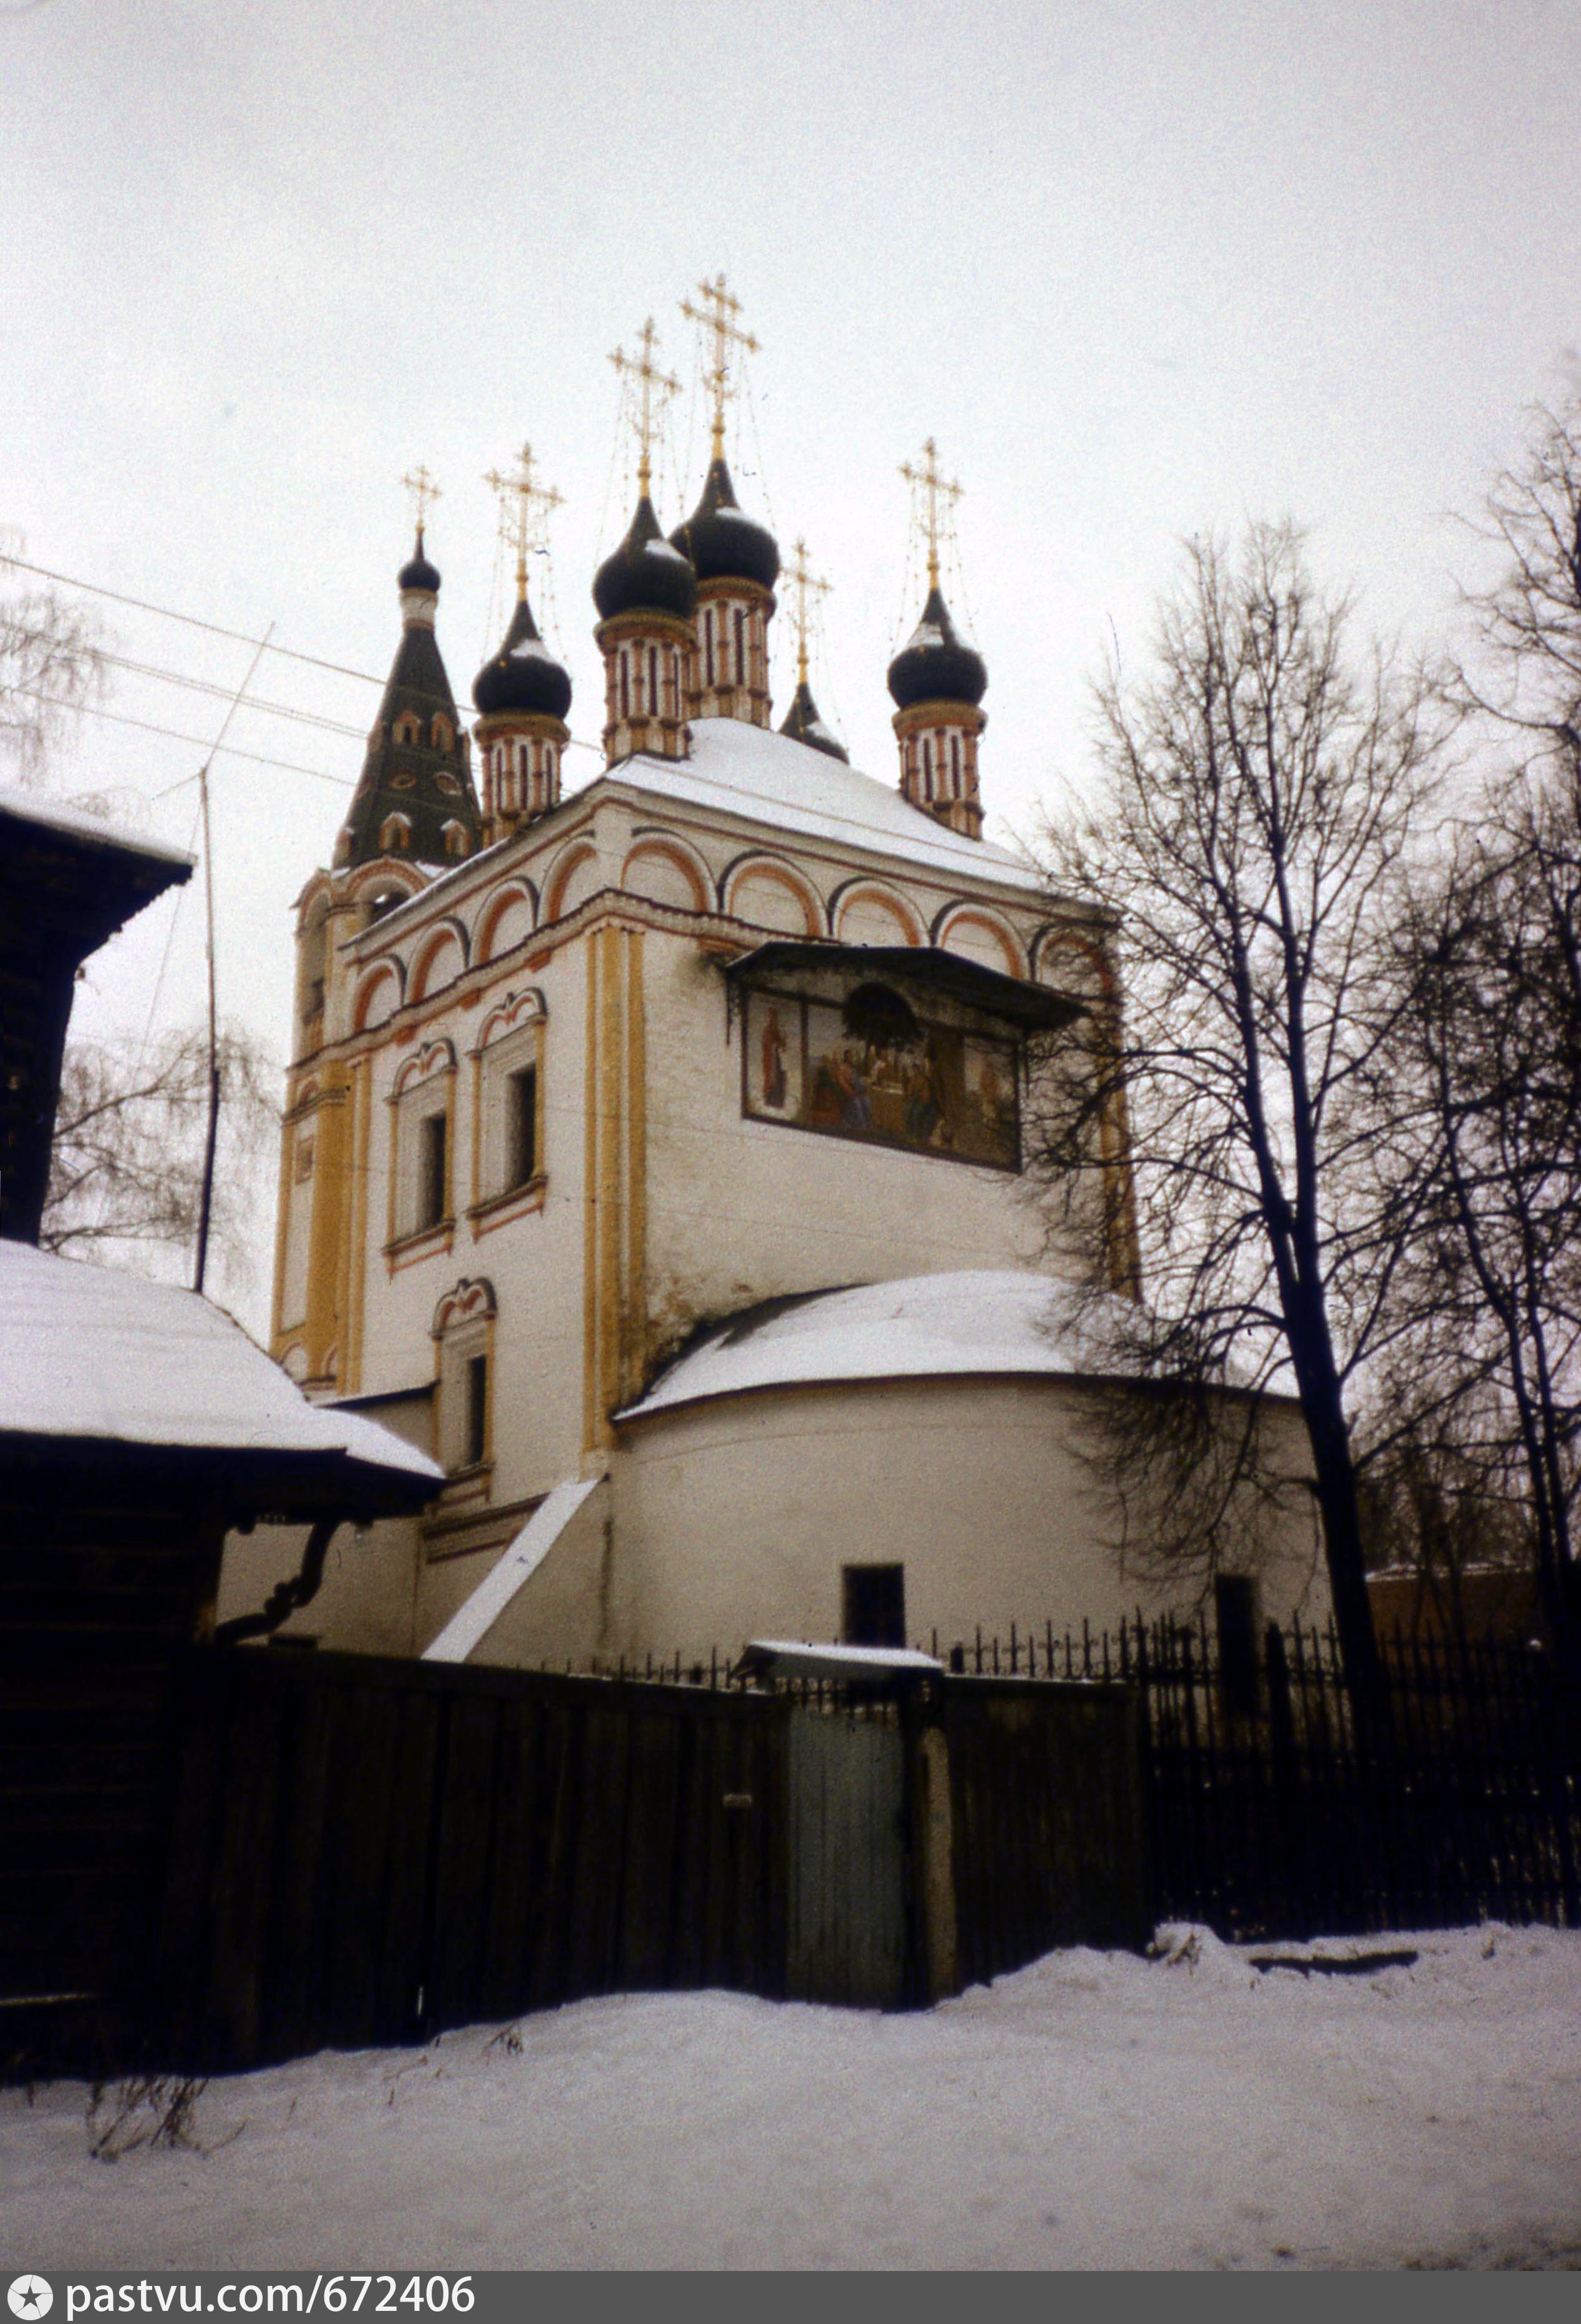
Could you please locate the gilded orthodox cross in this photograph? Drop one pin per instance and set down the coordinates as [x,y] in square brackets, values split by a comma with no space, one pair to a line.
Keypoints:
[420,484]
[932,498]
[806,583]
[516,524]
[717,317]
[657,387]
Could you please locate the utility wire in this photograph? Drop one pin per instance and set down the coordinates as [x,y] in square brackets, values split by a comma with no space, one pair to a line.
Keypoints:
[198,742]
[169,613]
[207,685]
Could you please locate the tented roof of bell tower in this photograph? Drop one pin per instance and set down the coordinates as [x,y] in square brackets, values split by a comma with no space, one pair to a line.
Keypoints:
[416,764]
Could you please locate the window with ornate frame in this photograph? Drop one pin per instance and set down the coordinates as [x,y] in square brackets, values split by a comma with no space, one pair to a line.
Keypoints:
[509,1173]
[422,1160]
[464,1375]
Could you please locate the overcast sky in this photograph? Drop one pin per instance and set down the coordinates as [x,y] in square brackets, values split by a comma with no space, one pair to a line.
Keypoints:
[1143,270]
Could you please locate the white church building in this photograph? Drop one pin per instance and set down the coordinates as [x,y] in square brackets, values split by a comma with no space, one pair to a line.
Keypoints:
[653,1155]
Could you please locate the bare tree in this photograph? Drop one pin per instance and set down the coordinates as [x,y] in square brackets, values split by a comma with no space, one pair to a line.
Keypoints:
[1260,784]
[52,667]
[1489,1050]
[126,1167]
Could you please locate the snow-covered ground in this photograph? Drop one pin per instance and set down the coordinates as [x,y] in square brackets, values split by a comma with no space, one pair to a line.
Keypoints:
[1094,2110]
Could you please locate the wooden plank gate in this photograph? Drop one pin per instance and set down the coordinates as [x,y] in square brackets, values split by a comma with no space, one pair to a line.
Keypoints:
[848,1859]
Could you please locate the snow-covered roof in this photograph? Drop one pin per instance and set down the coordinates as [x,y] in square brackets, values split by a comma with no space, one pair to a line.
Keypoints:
[799,1658]
[750,770]
[919,1326]
[90,1356]
[52,814]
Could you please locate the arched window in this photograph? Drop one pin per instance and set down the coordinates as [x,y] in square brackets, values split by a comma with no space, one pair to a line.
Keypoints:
[408,727]
[955,764]
[395,836]
[464,1337]
[441,732]
[927,767]
[741,647]
[708,643]
[455,837]
[653,681]
[625,682]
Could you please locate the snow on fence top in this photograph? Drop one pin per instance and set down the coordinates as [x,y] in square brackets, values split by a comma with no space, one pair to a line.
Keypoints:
[90,1355]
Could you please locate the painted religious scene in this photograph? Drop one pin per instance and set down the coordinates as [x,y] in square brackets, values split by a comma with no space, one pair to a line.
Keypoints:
[874,1069]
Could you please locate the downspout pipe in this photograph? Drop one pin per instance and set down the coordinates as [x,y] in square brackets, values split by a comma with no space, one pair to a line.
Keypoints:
[297,1591]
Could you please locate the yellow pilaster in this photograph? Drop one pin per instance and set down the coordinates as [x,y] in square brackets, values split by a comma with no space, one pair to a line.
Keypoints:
[327,1235]
[615,1205]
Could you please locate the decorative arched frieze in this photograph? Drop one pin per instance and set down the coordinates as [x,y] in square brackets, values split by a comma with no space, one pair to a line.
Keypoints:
[1063,956]
[868,912]
[666,871]
[770,893]
[980,932]
[571,879]
[509,1015]
[509,915]
[467,1302]
[376,877]
[377,997]
[433,1058]
[432,967]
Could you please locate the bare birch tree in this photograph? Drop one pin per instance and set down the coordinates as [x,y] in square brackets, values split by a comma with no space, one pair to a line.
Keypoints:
[126,1165]
[1260,784]
[1490,1046]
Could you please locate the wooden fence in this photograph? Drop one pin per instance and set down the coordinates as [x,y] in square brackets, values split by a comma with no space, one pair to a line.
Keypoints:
[363,1852]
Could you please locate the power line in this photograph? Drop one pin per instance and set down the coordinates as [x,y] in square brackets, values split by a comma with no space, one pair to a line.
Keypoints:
[254,701]
[197,742]
[169,613]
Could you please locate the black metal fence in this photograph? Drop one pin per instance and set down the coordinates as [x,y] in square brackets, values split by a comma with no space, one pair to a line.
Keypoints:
[1272,1813]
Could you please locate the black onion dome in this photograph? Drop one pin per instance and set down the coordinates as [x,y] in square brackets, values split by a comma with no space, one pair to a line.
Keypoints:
[936,664]
[523,674]
[802,724]
[419,574]
[644,574]
[724,543]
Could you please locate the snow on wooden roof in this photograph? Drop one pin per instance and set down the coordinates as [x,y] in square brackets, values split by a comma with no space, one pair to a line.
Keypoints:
[53,815]
[919,1326]
[93,1356]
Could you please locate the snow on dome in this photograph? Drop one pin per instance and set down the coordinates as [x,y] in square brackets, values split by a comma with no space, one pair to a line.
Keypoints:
[89,1354]
[920,1326]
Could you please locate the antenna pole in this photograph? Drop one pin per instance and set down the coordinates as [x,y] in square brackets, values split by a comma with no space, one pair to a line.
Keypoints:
[211,1131]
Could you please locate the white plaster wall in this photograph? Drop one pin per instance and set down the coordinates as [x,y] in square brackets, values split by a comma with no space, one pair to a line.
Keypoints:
[740,1211]
[734,1520]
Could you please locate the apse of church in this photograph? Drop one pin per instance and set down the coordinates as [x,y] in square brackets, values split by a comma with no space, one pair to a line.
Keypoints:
[582,1075]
